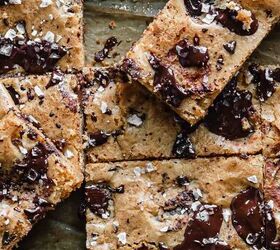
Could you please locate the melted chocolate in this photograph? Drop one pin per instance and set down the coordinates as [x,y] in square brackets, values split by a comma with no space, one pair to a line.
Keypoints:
[264,81]
[183,146]
[190,55]
[228,18]
[182,181]
[203,226]
[7,238]
[130,67]
[39,211]
[248,218]
[231,112]
[98,138]
[165,83]
[56,78]
[14,94]
[230,47]
[33,57]
[108,47]
[98,196]
[193,7]
[34,166]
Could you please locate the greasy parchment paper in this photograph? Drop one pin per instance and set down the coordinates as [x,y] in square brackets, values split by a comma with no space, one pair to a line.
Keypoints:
[62,229]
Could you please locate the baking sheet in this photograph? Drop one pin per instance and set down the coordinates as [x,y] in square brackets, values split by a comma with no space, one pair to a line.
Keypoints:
[62,229]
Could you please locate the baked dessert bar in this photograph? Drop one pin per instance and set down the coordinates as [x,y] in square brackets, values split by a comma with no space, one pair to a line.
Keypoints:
[34,177]
[51,103]
[125,122]
[176,204]
[193,48]
[36,35]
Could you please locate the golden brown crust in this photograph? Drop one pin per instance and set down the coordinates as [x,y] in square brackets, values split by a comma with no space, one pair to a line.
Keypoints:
[138,213]
[56,108]
[21,196]
[147,128]
[60,21]
[168,29]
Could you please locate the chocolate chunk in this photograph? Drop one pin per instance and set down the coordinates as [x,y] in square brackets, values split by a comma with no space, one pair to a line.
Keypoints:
[183,146]
[220,63]
[203,229]
[60,144]
[194,7]
[130,67]
[228,18]
[230,114]
[14,94]
[98,196]
[33,57]
[248,218]
[34,166]
[230,47]
[165,83]
[253,219]
[7,238]
[31,135]
[264,79]
[39,211]
[190,55]
[56,78]
[182,180]
[98,138]
[102,78]
[108,47]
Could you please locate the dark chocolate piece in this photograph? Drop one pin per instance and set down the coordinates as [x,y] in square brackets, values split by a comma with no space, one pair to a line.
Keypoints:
[98,138]
[7,238]
[108,47]
[39,211]
[203,230]
[165,83]
[191,55]
[98,195]
[230,114]
[34,166]
[265,81]
[33,57]
[230,47]
[183,146]
[228,18]
[14,94]
[193,7]
[253,220]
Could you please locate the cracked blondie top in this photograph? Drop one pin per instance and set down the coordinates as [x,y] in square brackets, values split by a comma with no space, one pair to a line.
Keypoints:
[192,49]
[38,35]
[50,102]
[215,203]
[34,177]
[125,122]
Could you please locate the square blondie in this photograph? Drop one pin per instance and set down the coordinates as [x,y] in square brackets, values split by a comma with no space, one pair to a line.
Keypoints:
[174,204]
[50,102]
[36,36]
[35,176]
[192,49]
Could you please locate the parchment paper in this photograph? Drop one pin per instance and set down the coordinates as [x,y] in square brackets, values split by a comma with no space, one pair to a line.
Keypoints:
[62,229]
